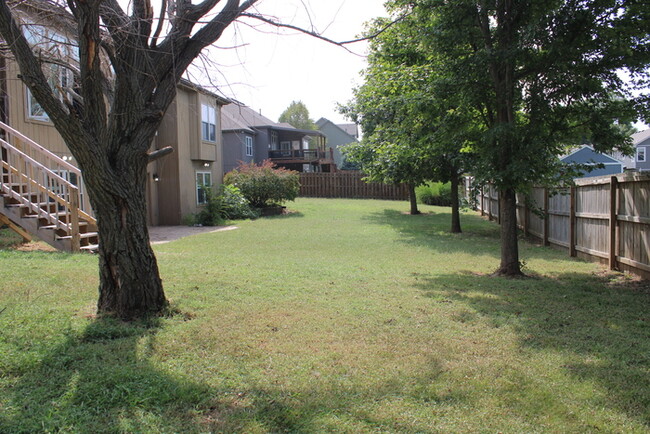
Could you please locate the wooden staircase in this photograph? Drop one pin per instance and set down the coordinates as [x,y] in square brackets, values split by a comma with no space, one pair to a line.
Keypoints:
[43,195]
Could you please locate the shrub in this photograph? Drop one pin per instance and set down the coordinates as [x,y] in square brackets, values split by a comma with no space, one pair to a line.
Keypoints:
[210,215]
[225,203]
[434,193]
[234,205]
[264,185]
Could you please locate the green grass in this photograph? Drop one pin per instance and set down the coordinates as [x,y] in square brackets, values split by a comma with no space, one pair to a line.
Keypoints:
[346,316]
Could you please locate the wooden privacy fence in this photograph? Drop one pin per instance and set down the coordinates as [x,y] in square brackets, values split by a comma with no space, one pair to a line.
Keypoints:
[605,219]
[348,184]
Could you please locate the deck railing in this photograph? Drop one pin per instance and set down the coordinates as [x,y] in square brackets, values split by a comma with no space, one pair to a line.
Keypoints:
[53,162]
[44,192]
[299,154]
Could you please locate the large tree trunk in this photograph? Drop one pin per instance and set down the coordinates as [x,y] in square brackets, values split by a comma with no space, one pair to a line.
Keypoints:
[455,204]
[510,265]
[130,285]
[413,199]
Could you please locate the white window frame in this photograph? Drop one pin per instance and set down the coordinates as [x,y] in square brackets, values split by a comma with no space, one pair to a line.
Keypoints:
[58,77]
[274,141]
[200,191]
[208,123]
[640,154]
[249,146]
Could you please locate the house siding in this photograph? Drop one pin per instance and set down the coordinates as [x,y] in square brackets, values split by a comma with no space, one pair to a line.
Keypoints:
[643,165]
[337,138]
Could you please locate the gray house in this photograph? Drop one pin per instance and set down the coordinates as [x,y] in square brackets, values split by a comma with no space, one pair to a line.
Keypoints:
[585,154]
[641,142]
[249,136]
[338,135]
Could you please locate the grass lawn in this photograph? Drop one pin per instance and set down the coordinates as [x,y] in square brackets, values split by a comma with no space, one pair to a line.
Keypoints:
[345,316]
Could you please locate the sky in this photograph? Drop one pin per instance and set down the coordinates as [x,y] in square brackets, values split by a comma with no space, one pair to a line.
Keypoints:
[267,68]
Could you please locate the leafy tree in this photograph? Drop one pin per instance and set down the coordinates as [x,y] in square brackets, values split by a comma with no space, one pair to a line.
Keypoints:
[110,122]
[297,115]
[542,75]
[411,124]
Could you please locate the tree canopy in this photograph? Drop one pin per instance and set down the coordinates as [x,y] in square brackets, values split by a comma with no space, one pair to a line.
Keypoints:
[531,78]
[297,115]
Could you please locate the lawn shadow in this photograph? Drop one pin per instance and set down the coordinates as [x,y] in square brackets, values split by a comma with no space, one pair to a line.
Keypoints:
[100,380]
[430,229]
[600,326]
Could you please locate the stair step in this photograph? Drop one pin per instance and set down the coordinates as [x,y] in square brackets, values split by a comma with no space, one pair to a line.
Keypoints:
[56,227]
[90,247]
[84,235]
[22,205]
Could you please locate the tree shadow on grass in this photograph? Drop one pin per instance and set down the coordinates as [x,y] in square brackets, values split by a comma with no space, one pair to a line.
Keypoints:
[99,380]
[432,230]
[102,379]
[600,327]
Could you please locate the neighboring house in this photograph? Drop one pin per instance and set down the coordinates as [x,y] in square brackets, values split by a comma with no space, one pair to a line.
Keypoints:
[641,142]
[251,137]
[338,135]
[586,155]
[192,126]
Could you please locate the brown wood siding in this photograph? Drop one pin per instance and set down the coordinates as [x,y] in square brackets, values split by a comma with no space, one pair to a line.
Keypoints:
[167,170]
[41,132]
[348,184]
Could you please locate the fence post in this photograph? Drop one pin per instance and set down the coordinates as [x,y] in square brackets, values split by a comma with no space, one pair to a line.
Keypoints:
[482,201]
[613,213]
[526,217]
[547,217]
[572,221]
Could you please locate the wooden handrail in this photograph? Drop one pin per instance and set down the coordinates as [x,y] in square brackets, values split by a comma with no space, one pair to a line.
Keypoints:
[33,174]
[41,149]
[48,157]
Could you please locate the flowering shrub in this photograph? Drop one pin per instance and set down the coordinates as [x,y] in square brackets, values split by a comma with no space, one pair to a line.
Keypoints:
[264,185]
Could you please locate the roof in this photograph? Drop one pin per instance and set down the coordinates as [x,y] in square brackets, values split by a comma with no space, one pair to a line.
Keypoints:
[641,136]
[587,154]
[197,87]
[351,129]
[238,117]
[347,130]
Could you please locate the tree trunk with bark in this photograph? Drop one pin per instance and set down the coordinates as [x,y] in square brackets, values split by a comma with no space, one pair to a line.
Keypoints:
[455,203]
[130,286]
[510,265]
[413,200]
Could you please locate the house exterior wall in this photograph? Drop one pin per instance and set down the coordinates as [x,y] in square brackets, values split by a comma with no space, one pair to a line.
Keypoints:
[643,165]
[336,139]
[234,149]
[42,132]
[181,129]
[262,142]
[174,194]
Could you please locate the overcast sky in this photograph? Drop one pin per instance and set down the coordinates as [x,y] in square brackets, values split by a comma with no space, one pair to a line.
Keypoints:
[271,67]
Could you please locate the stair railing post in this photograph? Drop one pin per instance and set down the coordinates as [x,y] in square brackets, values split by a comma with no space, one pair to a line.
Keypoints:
[74,219]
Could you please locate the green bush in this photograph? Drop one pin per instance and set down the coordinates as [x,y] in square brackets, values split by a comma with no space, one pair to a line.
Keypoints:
[434,193]
[225,203]
[264,185]
[234,205]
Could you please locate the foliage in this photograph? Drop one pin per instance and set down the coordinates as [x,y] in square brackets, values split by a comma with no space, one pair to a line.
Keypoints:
[225,203]
[356,335]
[434,193]
[264,185]
[297,115]
[538,76]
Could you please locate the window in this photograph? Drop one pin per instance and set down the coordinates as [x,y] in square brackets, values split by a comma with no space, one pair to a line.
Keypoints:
[640,154]
[249,146]
[274,140]
[208,123]
[59,77]
[203,181]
